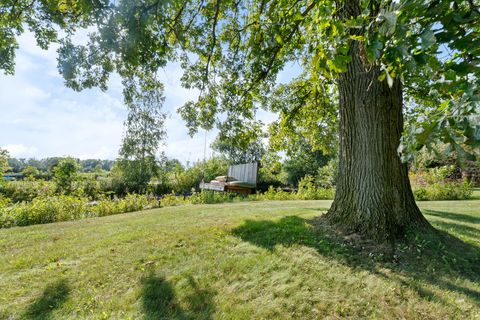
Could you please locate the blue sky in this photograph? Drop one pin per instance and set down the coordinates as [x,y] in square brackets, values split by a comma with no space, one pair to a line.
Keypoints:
[42,118]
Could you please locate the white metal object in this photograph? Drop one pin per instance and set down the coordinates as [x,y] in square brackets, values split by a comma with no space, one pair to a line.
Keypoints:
[244,172]
[212,186]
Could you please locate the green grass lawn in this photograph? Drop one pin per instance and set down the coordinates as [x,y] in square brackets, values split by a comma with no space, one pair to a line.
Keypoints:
[476,194]
[247,260]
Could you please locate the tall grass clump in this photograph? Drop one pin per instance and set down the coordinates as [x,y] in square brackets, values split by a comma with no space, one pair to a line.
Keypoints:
[209,197]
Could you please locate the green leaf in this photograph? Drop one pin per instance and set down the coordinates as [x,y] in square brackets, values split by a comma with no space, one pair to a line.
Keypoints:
[389,24]
[425,134]
[382,75]
[444,105]
[373,50]
[339,63]
[279,39]
[462,153]
[62,6]
[358,38]
[451,75]
[428,39]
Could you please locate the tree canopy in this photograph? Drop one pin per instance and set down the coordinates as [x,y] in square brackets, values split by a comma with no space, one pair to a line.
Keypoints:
[303,161]
[232,52]
[241,143]
[65,174]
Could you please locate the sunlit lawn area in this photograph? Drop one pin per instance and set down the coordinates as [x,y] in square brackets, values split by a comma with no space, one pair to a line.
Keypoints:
[246,260]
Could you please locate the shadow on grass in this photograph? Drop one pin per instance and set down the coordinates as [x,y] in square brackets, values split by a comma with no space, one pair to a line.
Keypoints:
[159,300]
[52,298]
[460,229]
[453,216]
[430,258]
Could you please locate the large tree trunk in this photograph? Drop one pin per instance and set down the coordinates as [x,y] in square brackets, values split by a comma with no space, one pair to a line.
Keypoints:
[374,196]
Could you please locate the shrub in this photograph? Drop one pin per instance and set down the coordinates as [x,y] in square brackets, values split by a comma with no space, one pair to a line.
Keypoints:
[43,210]
[4,202]
[444,191]
[131,202]
[90,187]
[275,194]
[308,191]
[420,194]
[26,190]
[170,200]
[64,208]
[30,173]
[65,175]
[208,197]
[113,184]
[436,184]
[46,209]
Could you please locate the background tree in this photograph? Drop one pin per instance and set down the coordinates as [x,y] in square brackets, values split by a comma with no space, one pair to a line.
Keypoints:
[144,132]
[94,165]
[30,172]
[88,165]
[65,175]
[327,175]
[302,161]
[271,172]
[4,161]
[17,165]
[361,60]
[248,148]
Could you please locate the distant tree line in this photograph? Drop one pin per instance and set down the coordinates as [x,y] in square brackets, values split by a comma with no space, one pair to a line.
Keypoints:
[18,165]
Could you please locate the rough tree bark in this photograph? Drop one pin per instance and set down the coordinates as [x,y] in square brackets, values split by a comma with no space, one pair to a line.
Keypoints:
[374,196]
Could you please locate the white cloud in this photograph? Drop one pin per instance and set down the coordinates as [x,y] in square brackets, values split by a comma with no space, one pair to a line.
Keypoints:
[29,48]
[20,150]
[102,153]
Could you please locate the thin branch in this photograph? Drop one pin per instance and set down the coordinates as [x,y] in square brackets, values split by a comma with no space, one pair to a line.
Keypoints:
[278,47]
[214,38]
